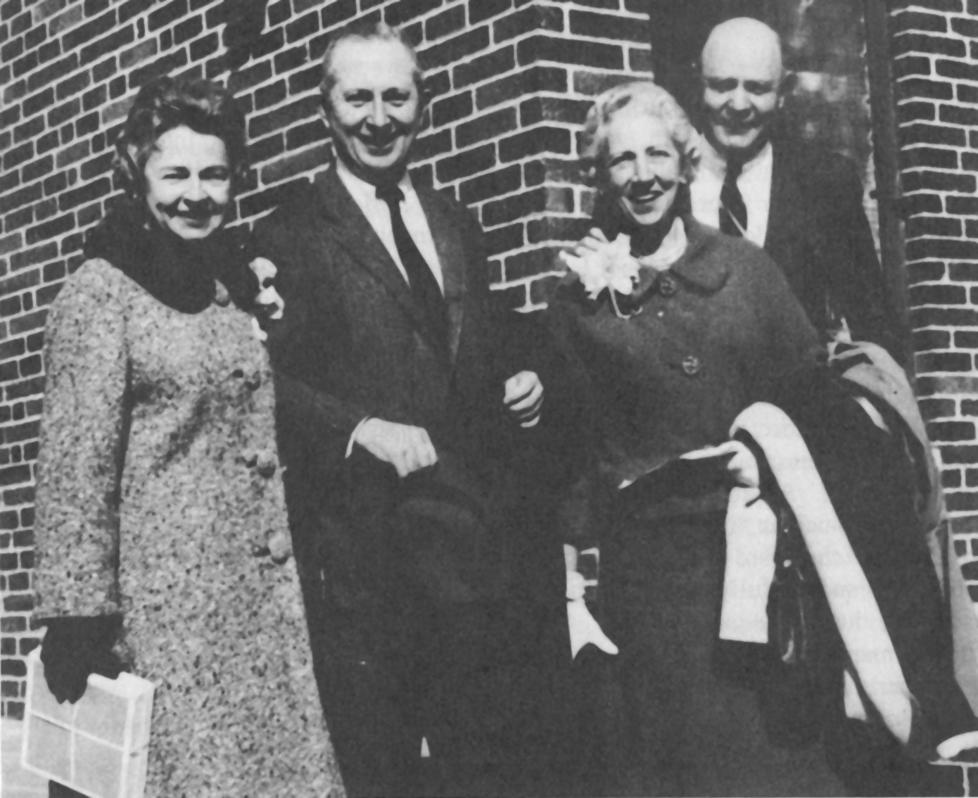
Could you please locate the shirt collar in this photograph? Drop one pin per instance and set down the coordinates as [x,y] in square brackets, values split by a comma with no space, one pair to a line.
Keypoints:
[364,192]
[716,164]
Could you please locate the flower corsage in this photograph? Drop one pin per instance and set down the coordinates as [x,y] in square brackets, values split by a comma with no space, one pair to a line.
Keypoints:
[603,265]
[269,305]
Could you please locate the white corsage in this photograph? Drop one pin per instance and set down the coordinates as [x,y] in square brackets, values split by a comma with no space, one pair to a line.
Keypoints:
[269,303]
[604,265]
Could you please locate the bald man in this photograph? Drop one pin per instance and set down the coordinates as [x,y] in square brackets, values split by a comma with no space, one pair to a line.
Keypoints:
[801,203]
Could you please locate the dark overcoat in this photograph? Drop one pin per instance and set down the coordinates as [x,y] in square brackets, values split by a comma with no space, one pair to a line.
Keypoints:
[819,235]
[352,344]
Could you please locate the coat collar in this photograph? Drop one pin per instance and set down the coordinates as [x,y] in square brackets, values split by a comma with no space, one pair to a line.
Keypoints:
[707,274]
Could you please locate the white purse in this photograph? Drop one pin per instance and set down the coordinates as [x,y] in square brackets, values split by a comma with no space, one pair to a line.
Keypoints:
[96,746]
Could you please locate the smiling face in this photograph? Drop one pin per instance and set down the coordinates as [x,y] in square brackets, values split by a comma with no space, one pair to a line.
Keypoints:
[373,107]
[643,167]
[188,182]
[742,77]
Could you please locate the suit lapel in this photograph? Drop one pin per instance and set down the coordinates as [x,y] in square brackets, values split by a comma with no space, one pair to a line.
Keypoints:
[350,229]
[787,223]
[451,255]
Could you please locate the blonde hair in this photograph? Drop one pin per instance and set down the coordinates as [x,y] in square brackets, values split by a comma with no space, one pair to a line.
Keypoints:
[649,98]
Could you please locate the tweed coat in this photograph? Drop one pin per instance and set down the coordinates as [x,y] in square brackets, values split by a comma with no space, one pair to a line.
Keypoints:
[159,497]
[819,235]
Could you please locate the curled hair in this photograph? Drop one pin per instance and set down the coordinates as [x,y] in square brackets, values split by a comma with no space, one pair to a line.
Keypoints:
[651,99]
[367,30]
[165,103]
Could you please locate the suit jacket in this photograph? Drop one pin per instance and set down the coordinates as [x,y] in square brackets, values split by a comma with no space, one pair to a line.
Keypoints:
[819,235]
[352,343]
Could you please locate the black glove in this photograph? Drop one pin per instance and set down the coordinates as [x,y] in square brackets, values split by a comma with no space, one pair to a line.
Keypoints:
[76,647]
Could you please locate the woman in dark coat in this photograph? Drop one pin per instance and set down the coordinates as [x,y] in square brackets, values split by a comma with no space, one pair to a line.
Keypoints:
[161,535]
[673,329]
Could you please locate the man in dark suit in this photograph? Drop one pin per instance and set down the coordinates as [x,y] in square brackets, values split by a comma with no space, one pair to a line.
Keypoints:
[405,417]
[802,204]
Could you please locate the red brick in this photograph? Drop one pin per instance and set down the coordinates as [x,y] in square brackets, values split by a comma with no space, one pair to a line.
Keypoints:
[282,117]
[108,44]
[168,13]
[465,163]
[569,51]
[87,32]
[338,12]
[608,26]
[456,48]
[450,109]
[919,21]
[292,165]
[485,127]
[530,264]
[535,141]
[483,9]
[930,362]
[528,19]
[494,184]
[496,62]
[535,79]
[444,23]
[505,239]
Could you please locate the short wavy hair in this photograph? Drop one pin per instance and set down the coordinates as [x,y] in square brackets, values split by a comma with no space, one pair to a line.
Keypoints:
[165,103]
[368,30]
[653,100]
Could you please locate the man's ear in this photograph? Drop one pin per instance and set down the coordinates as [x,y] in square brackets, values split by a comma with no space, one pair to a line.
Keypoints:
[323,112]
[788,83]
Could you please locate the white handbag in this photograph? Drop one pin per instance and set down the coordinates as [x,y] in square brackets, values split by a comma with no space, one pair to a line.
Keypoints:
[96,746]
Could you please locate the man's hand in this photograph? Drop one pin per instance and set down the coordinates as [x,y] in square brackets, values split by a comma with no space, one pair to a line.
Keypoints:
[523,397]
[407,448]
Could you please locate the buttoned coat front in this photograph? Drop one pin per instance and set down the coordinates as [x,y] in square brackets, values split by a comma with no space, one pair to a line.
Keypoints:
[159,498]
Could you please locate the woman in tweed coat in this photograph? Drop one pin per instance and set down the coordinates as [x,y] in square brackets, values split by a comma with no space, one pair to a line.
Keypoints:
[161,535]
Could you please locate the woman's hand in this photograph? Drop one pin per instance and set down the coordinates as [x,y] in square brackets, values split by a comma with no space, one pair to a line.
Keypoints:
[76,647]
[740,463]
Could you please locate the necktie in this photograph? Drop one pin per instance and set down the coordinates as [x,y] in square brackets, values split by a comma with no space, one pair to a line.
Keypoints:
[424,287]
[733,211]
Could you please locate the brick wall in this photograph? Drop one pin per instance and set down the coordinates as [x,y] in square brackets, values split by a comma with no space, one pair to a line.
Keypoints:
[935,63]
[510,80]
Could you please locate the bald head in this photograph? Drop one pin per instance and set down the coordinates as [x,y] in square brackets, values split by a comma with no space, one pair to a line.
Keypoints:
[743,75]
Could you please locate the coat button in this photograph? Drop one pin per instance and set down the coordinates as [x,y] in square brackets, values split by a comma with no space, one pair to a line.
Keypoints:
[692,365]
[265,464]
[221,295]
[667,285]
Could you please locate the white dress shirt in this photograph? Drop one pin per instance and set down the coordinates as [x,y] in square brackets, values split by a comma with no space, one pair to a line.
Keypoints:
[378,214]
[754,184]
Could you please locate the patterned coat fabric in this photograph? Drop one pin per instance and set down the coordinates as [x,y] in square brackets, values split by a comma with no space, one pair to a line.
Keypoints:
[159,497]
